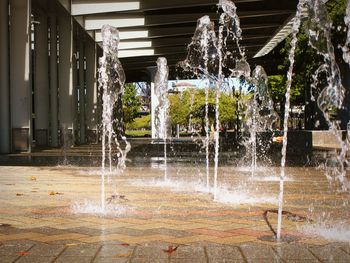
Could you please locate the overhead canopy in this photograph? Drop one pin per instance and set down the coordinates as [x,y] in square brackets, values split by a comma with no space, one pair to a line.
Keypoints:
[153,28]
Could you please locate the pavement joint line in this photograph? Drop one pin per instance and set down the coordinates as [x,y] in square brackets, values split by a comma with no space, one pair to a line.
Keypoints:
[59,254]
[315,256]
[344,250]
[243,256]
[133,253]
[19,257]
[97,252]
[206,254]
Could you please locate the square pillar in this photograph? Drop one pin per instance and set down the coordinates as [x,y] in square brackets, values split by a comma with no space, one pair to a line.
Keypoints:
[5,129]
[20,77]
[41,82]
[82,91]
[91,91]
[53,81]
[65,79]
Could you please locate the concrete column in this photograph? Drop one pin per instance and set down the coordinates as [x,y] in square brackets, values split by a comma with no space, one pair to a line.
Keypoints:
[82,91]
[5,137]
[91,91]
[154,100]
[20,79]
[65,77]
[154,103]
[41,82]
[53,82]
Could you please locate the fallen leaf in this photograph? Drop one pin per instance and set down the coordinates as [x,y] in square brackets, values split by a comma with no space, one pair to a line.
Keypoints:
[122,255]
[33,178]
[34,191]
[18,194]
[4,225]
[72,244]
[55,193]
[23,253]
[170,249]
[125,244]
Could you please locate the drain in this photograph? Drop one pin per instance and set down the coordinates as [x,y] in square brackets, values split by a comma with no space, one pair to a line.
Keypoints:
[283,239]
[290,216]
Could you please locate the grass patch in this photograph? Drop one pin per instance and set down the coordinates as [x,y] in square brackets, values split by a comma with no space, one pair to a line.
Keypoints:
[138,133]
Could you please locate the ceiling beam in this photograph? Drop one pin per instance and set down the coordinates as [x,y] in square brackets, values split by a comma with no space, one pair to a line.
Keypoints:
[83,7]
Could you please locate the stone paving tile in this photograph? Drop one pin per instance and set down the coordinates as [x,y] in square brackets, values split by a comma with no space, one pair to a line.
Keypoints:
[330,253]
[189,252]
[149,260]
[115,250]
[111,260]
[187,260]
[8,259]
[226,260]
[150,252]
[85,250]
[73,259]
[223,251]
[46,250]
[13,249]
[345,247]
[294,252]
[35,258]
[258,252]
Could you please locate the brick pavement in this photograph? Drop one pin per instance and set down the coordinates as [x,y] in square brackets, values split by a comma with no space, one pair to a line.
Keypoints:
[46,215]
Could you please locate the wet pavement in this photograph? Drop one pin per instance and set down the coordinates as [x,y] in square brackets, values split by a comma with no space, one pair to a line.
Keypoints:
[53,214]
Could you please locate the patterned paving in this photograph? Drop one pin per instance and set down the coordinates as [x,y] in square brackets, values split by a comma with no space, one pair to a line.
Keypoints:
[49,215]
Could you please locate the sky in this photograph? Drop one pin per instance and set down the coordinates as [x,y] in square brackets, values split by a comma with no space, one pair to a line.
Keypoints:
[201,84]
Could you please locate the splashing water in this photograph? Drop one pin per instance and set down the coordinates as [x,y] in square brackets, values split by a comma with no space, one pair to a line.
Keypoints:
[162,105]
[202,46]
[346,47]
[260,114]
[296,26]
[207,55]
[111,84]
[332,96]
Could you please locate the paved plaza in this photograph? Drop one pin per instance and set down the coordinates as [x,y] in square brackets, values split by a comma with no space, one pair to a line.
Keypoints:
[51,214]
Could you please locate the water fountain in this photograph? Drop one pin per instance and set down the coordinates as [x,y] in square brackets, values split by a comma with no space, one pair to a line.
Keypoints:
[332,95]
[260,115]
[162,105]
[208,57]
[111,83]
[346,47]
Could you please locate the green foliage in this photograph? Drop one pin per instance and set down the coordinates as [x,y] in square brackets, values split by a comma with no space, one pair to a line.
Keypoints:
[131,103]
[306,58]
[140,123]
[181,107]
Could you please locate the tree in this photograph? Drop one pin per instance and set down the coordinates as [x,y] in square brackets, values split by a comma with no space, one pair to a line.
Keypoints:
[131,103]
[306,62]
[191,104]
